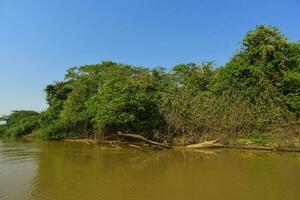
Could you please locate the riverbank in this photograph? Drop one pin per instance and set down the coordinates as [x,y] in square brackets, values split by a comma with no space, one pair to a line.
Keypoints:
[137,141]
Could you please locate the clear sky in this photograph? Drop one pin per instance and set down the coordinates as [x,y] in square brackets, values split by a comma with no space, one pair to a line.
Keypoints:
[40,39]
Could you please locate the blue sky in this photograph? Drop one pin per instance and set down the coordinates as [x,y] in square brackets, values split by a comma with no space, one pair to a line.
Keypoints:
[40,39]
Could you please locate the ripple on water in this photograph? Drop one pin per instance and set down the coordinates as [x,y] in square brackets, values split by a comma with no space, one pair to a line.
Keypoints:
[17,168]
[14,153]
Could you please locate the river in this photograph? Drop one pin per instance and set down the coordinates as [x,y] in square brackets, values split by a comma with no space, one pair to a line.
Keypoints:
[65,170]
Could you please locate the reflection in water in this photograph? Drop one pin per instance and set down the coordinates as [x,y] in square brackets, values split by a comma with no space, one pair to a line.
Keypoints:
[54,170]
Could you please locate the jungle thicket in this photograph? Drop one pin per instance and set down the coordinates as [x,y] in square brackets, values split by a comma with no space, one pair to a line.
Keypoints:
[257,93]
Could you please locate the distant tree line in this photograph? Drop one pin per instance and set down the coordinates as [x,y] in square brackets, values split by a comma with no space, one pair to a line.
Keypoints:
[256,92]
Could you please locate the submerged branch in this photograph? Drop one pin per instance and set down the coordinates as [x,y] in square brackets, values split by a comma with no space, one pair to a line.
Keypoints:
[141,138]
[206,144]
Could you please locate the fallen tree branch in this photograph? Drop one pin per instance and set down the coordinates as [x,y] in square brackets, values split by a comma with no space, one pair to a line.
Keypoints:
[249,147]
[215,144]
[135,146]
[206,144]
[114,145]
[141,138]
[86,141]
[266,148]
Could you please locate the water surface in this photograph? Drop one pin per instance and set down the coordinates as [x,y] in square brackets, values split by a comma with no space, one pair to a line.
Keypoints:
[60,170]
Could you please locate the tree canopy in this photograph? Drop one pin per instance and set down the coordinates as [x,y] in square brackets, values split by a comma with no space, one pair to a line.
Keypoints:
[256,91]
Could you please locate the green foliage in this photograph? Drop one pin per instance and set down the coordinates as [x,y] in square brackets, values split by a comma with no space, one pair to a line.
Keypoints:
[193,78]
[19,123]
[259,138]
[74,109]
[126,100]
[256,92]
[54,131]
[2,130]
[266,68]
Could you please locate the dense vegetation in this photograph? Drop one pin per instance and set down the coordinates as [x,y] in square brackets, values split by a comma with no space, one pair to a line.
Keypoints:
[256,94]
[20,123]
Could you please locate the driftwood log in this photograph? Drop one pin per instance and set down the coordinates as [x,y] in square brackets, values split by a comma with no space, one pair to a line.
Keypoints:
[141,138]
[215,144]
[266,148]
[206,144]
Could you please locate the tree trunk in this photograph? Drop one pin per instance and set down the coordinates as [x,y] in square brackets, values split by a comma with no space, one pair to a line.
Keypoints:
[99,135]
[85,128]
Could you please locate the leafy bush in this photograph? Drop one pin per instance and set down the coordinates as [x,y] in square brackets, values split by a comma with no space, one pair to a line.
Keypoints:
[20,123]
[259,138]
[54,132]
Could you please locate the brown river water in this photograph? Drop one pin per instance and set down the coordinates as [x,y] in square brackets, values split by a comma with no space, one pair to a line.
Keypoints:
[64,170]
